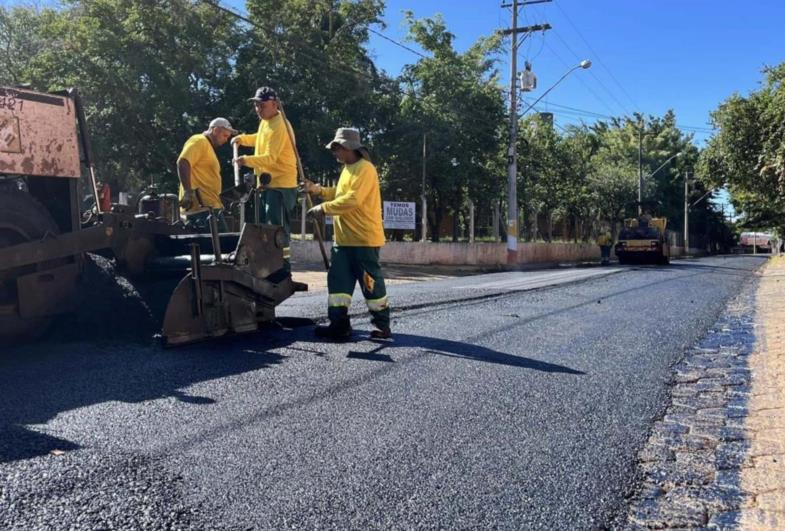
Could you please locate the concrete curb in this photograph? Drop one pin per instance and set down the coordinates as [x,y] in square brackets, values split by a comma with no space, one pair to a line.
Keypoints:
[763,475]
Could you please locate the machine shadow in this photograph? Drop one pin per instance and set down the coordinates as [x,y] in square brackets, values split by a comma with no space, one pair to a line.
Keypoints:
[461,350]
[43,380]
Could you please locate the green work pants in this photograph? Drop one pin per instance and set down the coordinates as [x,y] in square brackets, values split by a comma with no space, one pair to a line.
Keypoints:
[277,208]
[349,265]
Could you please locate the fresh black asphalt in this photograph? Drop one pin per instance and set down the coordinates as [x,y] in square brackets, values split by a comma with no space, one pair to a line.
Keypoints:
[495,408]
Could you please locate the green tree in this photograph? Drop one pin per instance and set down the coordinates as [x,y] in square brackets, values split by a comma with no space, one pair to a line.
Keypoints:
[151,73]
[313,53]
[748,153]
[455,99]
[579,146]
[542,174]
[21,39]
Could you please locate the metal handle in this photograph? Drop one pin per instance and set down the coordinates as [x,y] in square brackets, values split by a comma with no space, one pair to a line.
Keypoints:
[218,255]
[84,136]
[301,173]
[235,152]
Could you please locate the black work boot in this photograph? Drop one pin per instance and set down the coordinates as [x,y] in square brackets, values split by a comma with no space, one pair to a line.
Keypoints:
[382,333]
[337,331]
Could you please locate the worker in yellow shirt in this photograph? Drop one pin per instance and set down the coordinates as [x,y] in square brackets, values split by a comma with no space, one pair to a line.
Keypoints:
[356,206]
[200,174]
[273,154]
[605,241]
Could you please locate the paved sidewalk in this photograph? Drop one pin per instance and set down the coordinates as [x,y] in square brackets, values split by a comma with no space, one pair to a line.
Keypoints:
[763,478]
[716,459]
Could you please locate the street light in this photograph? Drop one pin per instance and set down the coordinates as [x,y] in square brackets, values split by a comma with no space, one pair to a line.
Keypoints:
[664,163]
[512,168]
[583,64]
[649,176]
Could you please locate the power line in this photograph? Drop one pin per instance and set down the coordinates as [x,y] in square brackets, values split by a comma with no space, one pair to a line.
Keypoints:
[574,111]
[306,51]
[597,96]
[383,36]
[594,114]
[596,55]
[592,74]
[361,75]
[588,113]
[356,72]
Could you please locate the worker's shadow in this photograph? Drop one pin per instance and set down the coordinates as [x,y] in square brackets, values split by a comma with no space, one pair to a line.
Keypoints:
[458,350]
[42,380]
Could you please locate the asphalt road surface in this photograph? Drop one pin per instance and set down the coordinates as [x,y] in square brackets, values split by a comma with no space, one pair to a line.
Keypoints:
[509,400]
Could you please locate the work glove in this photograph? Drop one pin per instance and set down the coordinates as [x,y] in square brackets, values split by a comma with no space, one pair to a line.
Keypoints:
[187,201]
[311,187]
[315,212]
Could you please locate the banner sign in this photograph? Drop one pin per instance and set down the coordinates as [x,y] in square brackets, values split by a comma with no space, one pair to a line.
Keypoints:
[399,215]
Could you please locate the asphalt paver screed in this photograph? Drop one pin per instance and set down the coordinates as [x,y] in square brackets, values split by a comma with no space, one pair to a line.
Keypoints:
[763,476]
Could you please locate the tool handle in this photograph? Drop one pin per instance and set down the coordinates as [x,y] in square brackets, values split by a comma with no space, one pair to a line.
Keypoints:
[317,231]
[235,153]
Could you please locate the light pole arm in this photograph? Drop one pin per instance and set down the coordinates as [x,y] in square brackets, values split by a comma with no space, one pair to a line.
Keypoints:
[568,72]
[700,198]
[664,164]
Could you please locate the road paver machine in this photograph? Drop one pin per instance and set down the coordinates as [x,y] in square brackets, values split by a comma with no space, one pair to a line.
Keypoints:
[44,156]
[643,240]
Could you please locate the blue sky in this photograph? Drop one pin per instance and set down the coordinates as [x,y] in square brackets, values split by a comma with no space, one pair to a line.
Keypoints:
[648,56]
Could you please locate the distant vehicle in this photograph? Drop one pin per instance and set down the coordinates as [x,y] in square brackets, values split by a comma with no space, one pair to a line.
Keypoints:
[643,240]
[756,241]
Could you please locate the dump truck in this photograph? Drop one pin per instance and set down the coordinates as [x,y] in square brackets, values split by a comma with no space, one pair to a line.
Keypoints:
[756,242]
[45,155]
[643,240]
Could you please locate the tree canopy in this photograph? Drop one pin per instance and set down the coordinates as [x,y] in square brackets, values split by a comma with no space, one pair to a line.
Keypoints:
[748,153]
[153,72]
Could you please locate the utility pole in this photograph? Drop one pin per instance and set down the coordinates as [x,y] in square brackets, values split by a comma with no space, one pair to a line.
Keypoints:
[640,168]
[512,151]
[424,199]
[512,154]
[471,221]
[686,213]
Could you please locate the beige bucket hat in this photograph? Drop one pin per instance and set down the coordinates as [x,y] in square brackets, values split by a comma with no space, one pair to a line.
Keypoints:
[349,138]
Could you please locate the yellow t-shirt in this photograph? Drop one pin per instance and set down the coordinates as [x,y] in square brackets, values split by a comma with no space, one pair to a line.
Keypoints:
[356,203]
[205,170]
[273,152]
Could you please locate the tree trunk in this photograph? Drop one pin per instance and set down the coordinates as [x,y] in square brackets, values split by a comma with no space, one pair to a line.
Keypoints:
[456,224]
[549,225]
[527,224]
[435,216]
[575,228]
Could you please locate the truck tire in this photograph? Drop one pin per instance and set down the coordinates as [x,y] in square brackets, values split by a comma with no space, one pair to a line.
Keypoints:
[22,219]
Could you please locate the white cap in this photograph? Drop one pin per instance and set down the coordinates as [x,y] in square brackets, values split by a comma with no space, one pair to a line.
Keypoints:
[223,122]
